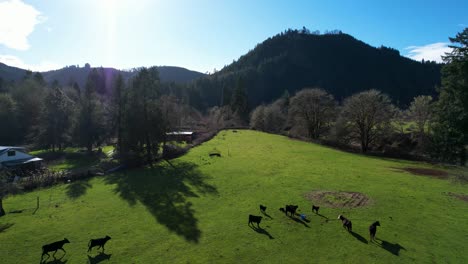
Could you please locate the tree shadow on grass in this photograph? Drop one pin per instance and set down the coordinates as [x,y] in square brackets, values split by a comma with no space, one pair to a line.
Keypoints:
[78,188]
[261,231]
[392,248]
[99,258]
[358,237]
[4,227]
[164,190]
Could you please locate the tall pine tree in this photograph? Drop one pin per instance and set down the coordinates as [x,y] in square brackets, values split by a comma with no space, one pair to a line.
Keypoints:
[451,124]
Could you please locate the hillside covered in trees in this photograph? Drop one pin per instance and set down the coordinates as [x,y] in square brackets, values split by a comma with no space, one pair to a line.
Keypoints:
[75,74]
[336,62]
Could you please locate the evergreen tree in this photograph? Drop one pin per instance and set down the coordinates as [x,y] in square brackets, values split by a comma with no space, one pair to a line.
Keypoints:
[29,97]
[144,130]
[91,126]
[451,122]
[117,109]
[239,101]
[8,120]
[56,119]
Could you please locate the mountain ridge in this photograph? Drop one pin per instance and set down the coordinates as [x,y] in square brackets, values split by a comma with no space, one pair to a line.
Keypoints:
[70,74]
[336,62]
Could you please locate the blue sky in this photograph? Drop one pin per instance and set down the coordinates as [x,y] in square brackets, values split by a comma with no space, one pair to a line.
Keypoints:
[203,35]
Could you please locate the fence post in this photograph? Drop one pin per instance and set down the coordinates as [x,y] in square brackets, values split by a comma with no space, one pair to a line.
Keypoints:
[37,205]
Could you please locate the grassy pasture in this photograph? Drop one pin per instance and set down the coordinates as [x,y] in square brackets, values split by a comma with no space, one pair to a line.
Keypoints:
[196,210]
[70,158]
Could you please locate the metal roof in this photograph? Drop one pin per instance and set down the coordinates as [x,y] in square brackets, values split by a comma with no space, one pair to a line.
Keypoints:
[187,133]
[4,149]
[19,162]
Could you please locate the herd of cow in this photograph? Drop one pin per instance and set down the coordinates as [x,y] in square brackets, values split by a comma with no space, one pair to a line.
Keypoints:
[99,242]
[291,209]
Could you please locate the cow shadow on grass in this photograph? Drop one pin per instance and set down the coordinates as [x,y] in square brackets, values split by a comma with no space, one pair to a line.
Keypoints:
[267,215]
[321,215]
[54,261]
[297,220]
[262,231]
[164,191]
[78,188]
[358,237]
[390,247]
[99,258]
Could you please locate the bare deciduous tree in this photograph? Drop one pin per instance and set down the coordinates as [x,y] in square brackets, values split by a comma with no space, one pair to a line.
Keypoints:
[420,111]
[275,118]
[367,116]
[314,109]
[257,119]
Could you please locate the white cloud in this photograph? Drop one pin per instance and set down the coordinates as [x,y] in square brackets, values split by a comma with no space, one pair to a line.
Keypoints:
[431,52]
[17,22]
[14,61]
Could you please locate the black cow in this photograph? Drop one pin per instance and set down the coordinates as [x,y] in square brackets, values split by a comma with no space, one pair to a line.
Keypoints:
[54,247]
[315,208]
[262,208]
[346,223]
[373,229]
[291,209]
[255,219]
[99,242]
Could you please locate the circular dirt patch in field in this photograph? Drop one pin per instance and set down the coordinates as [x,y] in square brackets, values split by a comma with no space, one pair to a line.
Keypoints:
[427,172]
[338,199]
[462,197]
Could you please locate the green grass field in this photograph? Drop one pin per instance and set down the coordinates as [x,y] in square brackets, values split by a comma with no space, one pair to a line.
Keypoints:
[196,211]
[70,158]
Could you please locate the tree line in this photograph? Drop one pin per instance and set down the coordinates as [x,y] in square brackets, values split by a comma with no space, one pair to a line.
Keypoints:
[135,115]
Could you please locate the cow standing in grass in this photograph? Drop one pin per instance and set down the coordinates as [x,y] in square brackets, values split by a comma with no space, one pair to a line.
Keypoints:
[99,242]
[291,209]
[373,230]
[346,223]
[255,219]
[54,247]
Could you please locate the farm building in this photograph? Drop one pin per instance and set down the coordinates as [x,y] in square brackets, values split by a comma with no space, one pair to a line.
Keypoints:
[17,158]
[186,136]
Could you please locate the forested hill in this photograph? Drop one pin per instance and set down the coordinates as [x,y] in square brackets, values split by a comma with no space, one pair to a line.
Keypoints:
[335,61]
[71,74]
[9,73]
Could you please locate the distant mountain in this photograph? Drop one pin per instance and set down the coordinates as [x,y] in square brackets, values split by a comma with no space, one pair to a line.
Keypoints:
[336,62]
[9,73]
[71,74]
